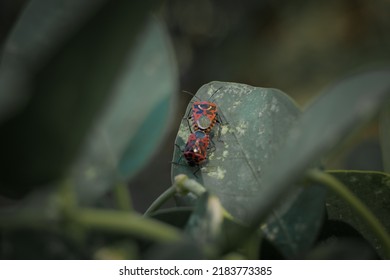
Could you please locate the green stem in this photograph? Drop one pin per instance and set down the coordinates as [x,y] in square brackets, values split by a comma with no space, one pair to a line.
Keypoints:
[184,185]
[127,223]
[95,219]
[122,196]
[360,208]
[26,220]
[165,196]
[67,200]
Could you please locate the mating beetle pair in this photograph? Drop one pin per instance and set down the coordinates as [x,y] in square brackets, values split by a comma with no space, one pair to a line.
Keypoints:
[203,116]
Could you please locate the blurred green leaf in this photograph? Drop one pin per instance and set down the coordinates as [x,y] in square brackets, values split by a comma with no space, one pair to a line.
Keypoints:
[385,137]
[342,249]
[60,83]
[373,189]
[37,35]
[9,12]
[136,118]
[294,232]
[339,111]
[257,121]
[250,247]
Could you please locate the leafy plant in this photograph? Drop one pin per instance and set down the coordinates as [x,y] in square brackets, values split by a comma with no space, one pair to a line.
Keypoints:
[89,101]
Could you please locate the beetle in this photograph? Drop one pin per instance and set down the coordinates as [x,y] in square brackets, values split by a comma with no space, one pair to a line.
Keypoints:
[204,114]
[196,148]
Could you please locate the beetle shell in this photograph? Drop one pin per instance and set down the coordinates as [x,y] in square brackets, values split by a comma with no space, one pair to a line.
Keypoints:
[195,151]
[204,115]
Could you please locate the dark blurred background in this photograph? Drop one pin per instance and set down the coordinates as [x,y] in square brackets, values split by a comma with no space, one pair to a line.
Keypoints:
[297,46]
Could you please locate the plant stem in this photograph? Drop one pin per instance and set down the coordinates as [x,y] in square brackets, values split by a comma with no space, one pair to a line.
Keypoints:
[95,219]
[25,220]
[160,200]
[67,201]
[128,223]
[122,196]
[184,185]
[356,204]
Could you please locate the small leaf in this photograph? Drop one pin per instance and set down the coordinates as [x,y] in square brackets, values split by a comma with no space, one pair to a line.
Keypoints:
[373,189]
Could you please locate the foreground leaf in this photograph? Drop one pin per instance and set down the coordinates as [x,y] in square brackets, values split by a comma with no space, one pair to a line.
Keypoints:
[295,231]
[373,189]
[43,26]
[135,121]
[58,87]
[320,128]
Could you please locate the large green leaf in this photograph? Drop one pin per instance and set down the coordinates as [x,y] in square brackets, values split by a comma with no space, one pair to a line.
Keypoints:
[341,110]
[61,64]
[256,121]
[135,121]
[373,189]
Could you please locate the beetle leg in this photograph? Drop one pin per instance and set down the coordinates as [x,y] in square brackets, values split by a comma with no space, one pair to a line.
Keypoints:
[221,119]
[211,148]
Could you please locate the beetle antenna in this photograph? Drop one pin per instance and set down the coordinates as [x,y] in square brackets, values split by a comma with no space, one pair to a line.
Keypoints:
[190,93]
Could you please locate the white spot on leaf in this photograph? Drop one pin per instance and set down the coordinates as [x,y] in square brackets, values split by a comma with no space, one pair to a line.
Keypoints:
[241,128]
[218,174]
[224,129]
[274,105]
